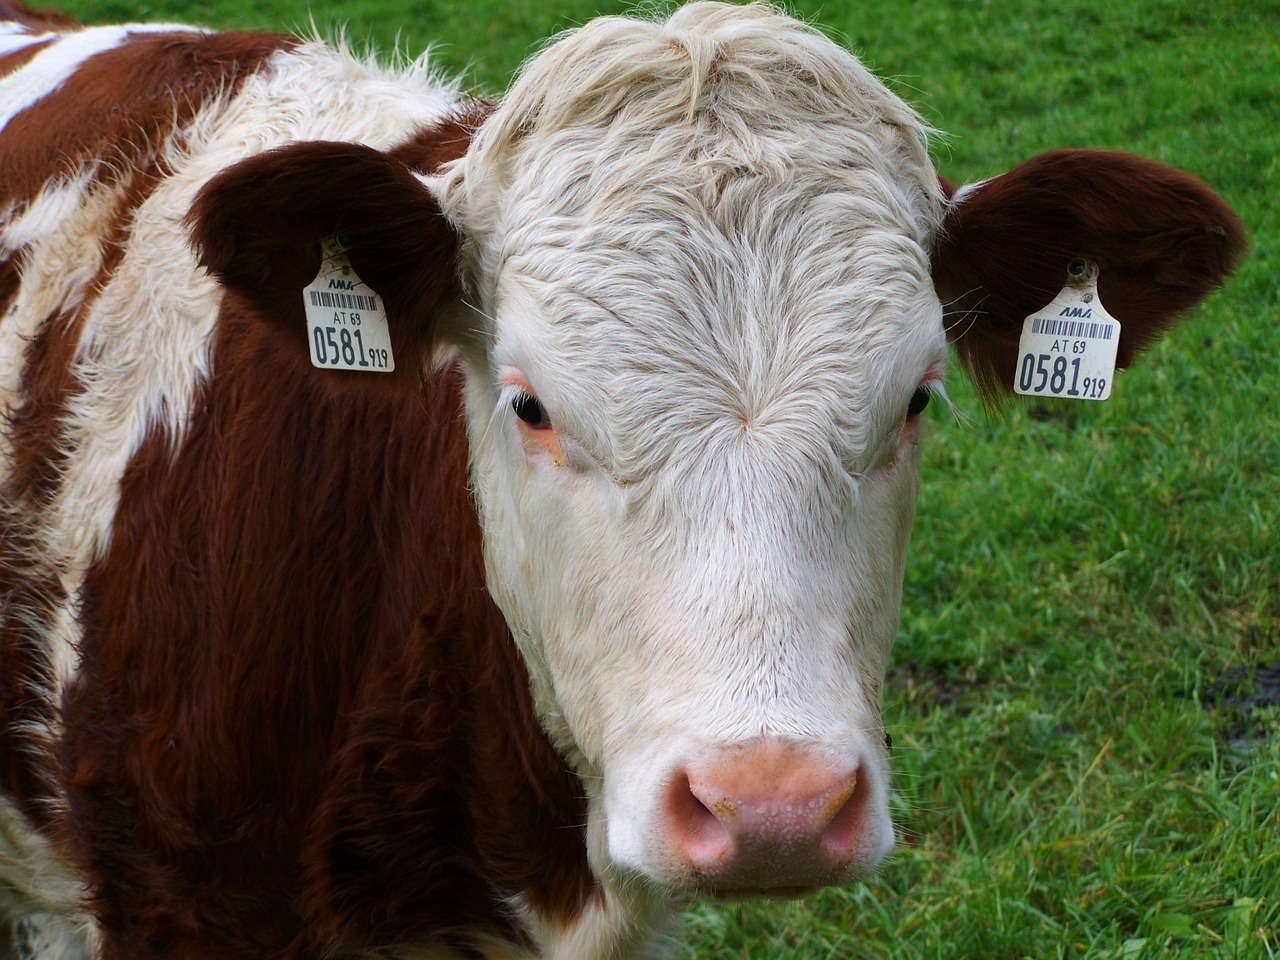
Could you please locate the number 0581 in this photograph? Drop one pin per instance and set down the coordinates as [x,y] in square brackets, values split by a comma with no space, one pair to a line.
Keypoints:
[1045,373]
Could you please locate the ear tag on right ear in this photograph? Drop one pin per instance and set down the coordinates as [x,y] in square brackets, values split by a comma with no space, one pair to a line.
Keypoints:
[346,323]
[1068,348]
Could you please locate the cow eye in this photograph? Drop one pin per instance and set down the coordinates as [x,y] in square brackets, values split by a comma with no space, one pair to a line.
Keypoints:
[528,409]
[919,400]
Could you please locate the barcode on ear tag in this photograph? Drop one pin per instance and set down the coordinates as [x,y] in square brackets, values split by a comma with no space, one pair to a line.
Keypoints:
[346,322]
[1068,348]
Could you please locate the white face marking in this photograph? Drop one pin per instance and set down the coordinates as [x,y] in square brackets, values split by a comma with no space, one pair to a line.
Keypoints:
[716,280]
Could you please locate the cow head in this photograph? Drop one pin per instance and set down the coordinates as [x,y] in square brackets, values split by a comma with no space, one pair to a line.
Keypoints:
[706,279]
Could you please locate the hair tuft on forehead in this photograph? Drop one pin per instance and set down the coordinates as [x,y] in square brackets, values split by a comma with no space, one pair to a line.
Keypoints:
[716,99]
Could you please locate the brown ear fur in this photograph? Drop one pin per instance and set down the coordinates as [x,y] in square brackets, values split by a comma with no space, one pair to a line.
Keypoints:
[1161,238]
[258,225]
[36,18]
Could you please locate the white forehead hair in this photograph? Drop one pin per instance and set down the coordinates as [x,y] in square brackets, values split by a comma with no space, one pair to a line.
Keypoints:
[713,93]
[727,180]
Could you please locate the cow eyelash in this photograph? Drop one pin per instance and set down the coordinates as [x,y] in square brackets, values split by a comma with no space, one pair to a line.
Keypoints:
[919,400]
[529,410]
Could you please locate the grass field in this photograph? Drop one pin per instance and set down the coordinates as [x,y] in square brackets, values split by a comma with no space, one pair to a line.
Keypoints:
[1087,581]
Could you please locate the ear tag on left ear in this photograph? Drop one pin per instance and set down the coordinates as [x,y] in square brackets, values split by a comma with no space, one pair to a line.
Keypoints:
[1068,348]
[346,323]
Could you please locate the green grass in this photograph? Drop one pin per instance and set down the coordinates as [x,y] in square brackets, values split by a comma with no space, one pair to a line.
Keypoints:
[1083,577]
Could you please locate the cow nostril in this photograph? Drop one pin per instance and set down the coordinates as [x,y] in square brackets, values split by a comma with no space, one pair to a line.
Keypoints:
[841,834]
[702,836]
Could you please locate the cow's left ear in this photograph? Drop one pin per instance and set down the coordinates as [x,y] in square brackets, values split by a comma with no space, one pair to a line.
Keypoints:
[259,225]
[1161,239]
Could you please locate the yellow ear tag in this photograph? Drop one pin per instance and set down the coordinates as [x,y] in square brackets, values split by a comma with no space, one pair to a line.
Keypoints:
[346,322]
[1068,348]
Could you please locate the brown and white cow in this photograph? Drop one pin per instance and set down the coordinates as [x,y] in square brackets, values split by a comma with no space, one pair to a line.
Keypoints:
[585,607]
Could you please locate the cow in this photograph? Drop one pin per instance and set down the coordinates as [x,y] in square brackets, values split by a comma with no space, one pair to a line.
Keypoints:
[442,527]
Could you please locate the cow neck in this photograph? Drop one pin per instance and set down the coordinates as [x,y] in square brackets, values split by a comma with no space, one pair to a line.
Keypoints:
[294,671]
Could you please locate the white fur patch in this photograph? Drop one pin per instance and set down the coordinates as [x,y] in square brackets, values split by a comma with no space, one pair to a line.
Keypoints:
[14,37]
[39,892]
[59,237]
[968,190]
[628,922]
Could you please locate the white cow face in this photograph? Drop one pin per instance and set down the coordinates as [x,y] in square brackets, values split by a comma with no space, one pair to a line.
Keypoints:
[700,255]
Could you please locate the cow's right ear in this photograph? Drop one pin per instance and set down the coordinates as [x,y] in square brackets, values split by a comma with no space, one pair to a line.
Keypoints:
[1161,239]
[259,225]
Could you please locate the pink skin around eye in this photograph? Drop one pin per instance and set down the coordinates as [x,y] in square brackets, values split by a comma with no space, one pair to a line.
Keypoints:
[536,439]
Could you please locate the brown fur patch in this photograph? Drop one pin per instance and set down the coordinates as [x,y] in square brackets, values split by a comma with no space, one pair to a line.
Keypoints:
[434,146]
[10,279]
[123,103]
[301,722]
[39,450]
[37,19]
[31,594]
